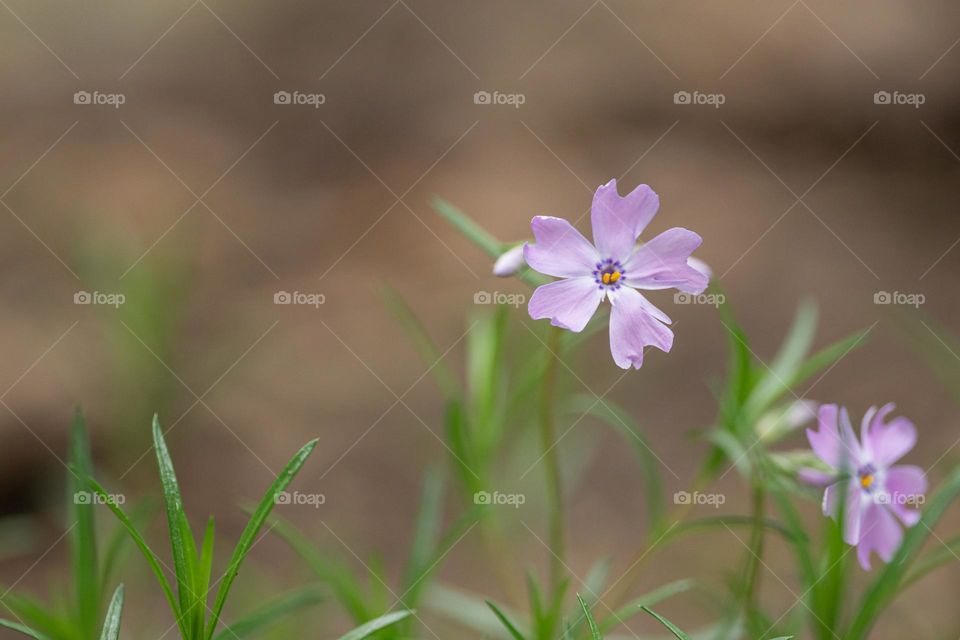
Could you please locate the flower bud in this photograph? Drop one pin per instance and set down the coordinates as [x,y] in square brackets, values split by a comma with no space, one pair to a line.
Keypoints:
[781,421]
[509,262]
[700,266]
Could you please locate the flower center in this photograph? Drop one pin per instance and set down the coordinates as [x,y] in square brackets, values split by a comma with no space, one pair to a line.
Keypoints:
[609,273]
[868,477]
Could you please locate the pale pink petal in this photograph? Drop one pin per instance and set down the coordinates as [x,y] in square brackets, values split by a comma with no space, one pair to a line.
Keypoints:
[662,263]
[568,303]
[617,222]
[906,485]
[634,325]
[880,533]
[852,510]
[816,477]
[833,441]
[853,454]
[560,250]
[887,442]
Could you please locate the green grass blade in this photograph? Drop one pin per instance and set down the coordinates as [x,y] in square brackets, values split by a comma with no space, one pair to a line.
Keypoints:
[724,522]
[341,580]
[116,546]
[621,421]
[111,626]
[885,586]
[423,343]
[174,508]
[427,527]
[368,629]
[38,617]
[775,381]
[647,600]
[679,635]
[270,613]
[486,378]
[594,629]
[145,549]
[514,632]
[829,355]
[259,516]
[481,238]
[944,554]
[205,566]
[196,595]
[25,630]
[83,537]
[470,229]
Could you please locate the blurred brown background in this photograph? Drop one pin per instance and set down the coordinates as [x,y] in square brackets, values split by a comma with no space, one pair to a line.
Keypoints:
[200,197]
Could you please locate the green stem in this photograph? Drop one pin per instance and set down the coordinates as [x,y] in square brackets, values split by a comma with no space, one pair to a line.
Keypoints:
[552,461]
[755,559]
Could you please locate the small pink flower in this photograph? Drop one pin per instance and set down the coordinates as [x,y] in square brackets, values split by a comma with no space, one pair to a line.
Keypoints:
[613,267]
[877,492]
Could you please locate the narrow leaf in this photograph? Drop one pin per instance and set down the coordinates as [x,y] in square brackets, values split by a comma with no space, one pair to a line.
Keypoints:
[649,599]
[594,629]
[469,228]
[679,635]
[253,527]
[270,613]
[111,626]
[145,549]
[506,621]
[174,507]
[83,536]
[368,629]
[25,630]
